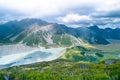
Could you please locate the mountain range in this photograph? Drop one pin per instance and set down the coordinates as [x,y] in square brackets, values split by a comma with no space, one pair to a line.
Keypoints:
[35,32]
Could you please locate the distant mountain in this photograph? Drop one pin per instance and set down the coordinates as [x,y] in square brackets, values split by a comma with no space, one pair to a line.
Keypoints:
[36,32]
[91,36]
[107,33]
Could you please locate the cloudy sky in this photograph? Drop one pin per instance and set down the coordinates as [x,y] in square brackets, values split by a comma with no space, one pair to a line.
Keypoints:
[75,13]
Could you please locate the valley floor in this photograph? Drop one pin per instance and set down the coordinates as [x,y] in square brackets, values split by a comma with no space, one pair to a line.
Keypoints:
[77,63]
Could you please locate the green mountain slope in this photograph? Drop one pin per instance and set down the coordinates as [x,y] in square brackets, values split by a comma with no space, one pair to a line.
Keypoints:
[35,32]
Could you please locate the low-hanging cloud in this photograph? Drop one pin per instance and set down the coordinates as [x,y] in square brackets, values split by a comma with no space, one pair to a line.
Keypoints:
[71,18]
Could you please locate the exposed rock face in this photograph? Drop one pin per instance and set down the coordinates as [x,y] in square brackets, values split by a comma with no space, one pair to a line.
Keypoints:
[35,32]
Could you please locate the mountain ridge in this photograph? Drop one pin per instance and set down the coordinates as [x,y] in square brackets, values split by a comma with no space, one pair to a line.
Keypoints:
[107,33]
[35,32]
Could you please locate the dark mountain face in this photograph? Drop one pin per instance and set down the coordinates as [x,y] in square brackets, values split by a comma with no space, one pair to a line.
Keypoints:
[107,33]
[17,29]
[38,32]
[91,36]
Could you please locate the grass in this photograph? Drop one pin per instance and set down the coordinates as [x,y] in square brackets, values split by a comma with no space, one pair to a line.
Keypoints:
[64,40]
[114,46]
[110,51]
[63,70]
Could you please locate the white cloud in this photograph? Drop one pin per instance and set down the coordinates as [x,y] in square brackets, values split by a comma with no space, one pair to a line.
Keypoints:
[108,5]
[40,8]
[66,11]
[73,18]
